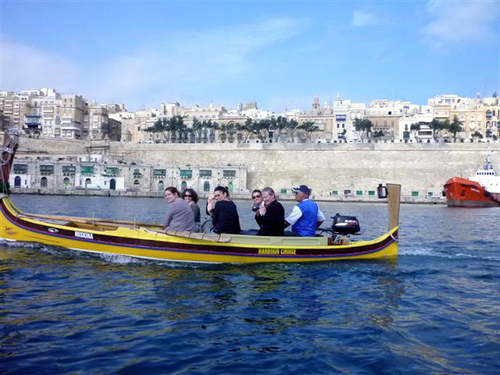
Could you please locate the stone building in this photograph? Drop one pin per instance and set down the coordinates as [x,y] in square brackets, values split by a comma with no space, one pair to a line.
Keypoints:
[477,115]
[92,175]
[47,113]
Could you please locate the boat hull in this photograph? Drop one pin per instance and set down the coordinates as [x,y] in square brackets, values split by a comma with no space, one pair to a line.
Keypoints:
[462,192]
[151,243]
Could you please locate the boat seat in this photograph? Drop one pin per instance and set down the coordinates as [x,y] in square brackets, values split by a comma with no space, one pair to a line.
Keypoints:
[199,236]
[249,239]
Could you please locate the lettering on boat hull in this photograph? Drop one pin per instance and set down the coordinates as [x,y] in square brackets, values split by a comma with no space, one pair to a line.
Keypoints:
[266,251]
[88,236]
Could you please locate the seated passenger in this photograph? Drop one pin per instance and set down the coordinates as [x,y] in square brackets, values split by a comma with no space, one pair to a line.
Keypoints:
[224,213]
[306,215]
[179,215]
[271,215]
[191,197]
[256,202]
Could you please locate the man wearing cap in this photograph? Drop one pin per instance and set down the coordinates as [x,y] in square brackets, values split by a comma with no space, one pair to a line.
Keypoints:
[306,215]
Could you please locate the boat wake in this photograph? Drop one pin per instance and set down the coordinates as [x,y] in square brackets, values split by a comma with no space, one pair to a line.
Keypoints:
[448,252]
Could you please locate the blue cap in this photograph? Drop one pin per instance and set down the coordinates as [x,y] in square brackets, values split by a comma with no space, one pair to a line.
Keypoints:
[302,188]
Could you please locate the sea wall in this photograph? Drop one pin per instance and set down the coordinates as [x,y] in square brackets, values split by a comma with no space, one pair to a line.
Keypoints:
[422,169]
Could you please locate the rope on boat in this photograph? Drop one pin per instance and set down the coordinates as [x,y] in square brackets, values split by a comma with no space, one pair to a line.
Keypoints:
[392,236]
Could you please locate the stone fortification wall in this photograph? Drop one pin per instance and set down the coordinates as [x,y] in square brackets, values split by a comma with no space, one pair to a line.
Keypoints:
[55,147]
[324,167]
[327,167]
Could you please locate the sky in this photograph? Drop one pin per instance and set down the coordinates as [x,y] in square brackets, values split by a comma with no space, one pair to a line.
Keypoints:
[280,54]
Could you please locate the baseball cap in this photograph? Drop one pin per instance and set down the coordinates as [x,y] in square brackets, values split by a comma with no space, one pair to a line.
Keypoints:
[302,188]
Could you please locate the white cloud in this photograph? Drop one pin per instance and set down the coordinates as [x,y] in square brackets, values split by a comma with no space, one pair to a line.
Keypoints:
[360,19]
[171,65]
[26,67]
[460,22]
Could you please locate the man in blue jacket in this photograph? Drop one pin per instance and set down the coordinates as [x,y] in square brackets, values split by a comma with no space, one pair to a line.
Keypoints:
[306,215]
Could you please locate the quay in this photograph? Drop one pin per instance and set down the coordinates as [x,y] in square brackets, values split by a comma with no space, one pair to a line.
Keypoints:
[335,172]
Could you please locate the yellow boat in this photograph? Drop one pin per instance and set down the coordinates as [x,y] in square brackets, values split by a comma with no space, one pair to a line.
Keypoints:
[150,241]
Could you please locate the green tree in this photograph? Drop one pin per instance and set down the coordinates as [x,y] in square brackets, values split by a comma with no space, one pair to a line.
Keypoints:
[161,126]
[245,129]
[292,127]
[455,127]
[437,126]
[378,134]
[279,124]
[177,128]
[363,126]
[476,135]
[197,127]
[414,128]
[309,127]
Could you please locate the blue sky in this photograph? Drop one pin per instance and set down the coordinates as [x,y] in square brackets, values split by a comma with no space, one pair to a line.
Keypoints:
[278,53]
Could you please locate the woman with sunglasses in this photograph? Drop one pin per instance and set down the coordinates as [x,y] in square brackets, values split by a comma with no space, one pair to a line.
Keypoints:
[191,197]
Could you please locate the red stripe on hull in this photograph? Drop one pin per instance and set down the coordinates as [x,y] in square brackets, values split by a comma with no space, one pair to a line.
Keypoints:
[461,192]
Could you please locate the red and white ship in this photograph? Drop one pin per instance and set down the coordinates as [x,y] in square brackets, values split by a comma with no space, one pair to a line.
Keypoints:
[480,190]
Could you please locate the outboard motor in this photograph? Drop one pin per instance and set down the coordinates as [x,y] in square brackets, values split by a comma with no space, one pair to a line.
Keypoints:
[345,224]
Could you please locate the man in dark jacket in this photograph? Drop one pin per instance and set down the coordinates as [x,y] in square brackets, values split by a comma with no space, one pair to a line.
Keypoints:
[272,215]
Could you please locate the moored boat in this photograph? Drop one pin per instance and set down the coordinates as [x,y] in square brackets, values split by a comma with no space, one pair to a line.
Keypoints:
[150,241]
[480,190]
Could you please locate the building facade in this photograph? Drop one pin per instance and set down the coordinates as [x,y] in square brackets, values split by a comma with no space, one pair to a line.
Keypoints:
[95,176]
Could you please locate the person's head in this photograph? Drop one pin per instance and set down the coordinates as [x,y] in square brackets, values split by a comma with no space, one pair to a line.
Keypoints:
[301,192]
[256,196]
[221,193]
[190,195]
[268,195]
[171,194]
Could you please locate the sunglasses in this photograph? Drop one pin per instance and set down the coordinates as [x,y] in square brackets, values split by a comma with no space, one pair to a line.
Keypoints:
[256,196]
[188,195]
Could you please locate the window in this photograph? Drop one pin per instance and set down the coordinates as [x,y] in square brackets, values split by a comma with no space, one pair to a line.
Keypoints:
[359,192]
[87,170]
[205,173]
[46,169]
[414,193]
[206,186]
[371,193]
[334,192]
[186,173]
[159,173]
[111,171]
[229,173]
[20,168]
[284,191]
[136,182]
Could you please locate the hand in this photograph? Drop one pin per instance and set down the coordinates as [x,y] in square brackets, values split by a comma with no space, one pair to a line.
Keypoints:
[262,209]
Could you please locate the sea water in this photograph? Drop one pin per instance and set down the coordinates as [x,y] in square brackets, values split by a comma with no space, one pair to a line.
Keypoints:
[434,310]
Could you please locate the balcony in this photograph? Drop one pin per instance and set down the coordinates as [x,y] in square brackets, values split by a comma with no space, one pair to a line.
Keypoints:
[110,172]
